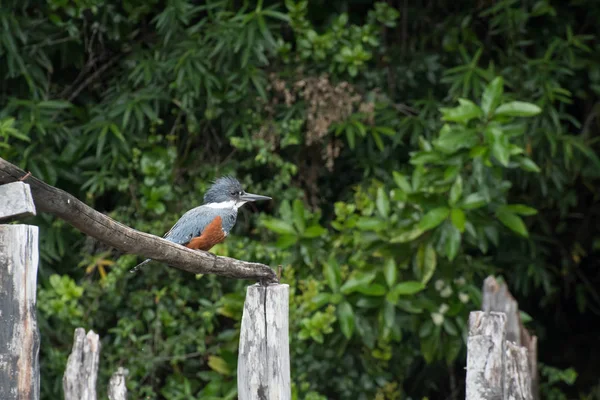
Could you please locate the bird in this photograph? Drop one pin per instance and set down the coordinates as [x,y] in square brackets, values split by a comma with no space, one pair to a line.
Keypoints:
[204,226]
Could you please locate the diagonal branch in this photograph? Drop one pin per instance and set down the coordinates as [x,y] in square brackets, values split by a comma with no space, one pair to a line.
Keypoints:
[93,223]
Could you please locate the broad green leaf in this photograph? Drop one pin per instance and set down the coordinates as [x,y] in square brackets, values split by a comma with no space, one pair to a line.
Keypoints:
[512,221]
[426,262]
[453,239]
[278,226]
[357,280]
[333,276]
[407,236]
[500,144]
[453,346]
[389,315]
[473,201]
[314,231]
[433,218]
[492,95]
[449,327]
[402,182]
[466,111]
[528,165]
[219,365]
[518,109]
[390,272]
[321,299]
[456,190]
[299,216]
[520,209]
[374,289]
[285,241]
[458,139]
[407,288]
[383,203]
[370,224]
[458,219]
[346,316]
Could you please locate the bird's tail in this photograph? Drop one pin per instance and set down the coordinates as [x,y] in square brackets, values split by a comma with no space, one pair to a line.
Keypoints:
[140,265]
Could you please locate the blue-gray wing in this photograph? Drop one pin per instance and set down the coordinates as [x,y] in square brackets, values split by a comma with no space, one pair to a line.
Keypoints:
[191,224]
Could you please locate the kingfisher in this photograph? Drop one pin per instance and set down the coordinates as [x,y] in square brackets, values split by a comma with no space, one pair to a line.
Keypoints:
[204,226]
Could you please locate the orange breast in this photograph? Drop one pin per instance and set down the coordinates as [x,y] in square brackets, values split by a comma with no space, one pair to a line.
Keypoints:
[212,234]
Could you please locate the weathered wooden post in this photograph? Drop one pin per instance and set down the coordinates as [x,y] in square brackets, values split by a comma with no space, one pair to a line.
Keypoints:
[116,386]
[81,374]
[485,356]
[19,335]
[501,354]
[496,297]
[264,354]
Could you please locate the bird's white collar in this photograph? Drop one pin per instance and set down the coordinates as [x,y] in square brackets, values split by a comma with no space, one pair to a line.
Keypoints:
[226,204]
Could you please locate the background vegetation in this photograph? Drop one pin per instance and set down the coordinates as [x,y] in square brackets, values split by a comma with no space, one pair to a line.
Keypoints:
[412,148]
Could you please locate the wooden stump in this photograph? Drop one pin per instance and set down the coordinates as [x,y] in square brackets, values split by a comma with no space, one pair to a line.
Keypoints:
[19,335]
[264,355]
[496,297]
[117,390]
[81,374]
[485,356]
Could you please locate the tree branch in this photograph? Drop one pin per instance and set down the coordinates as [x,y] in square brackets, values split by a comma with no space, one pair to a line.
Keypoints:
[93,223]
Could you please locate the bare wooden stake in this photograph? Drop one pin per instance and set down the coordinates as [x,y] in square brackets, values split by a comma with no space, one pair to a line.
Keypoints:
[19,335]
[485,356]
[15,201]
[81,374]
[117,390]
[517,379]
[264,354]
[496,297]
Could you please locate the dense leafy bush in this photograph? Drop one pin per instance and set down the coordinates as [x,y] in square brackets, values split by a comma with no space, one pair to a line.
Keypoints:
[412,149]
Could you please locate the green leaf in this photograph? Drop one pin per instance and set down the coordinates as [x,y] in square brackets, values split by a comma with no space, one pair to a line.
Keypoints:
[520,209]
[407,236]
[466,111]
[402,182]
[456,190]
[314,231]
[407,288]
[453,239]
[356,280]
[518,109]
[373,289]
[278,226]
[332,273]
[458,219]
[492,95]
[285,241]
[456,140]
[433,218]
[512,221]
[298,208]
[527,164]
[473,201]
[390,271]
[500,144]
[389,315]
[370,224]
[346,317]
[219,365]
[426,262]
[383,203]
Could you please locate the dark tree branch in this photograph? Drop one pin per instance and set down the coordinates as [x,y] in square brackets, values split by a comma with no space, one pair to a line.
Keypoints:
[93,223]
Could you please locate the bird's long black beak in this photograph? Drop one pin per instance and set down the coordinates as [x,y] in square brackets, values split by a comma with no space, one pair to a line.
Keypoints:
[253,197]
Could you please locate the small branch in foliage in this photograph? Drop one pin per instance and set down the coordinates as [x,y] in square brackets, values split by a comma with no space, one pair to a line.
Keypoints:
[93,223]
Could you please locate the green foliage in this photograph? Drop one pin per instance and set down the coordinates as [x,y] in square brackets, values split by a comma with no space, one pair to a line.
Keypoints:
[410,150]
